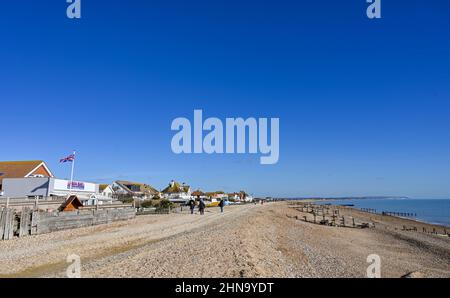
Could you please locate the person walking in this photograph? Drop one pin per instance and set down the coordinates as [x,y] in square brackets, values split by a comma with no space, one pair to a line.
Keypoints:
[201,207]
[221,204]
[192,205]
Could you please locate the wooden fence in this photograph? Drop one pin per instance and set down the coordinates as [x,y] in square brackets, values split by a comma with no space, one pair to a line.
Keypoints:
[31,221]
[7,223]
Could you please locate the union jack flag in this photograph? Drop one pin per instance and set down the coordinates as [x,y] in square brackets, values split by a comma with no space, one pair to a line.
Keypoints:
[70,158]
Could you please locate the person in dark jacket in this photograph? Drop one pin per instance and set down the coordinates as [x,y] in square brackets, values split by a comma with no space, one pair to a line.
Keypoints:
[201,207]
[221,205]
[191,205]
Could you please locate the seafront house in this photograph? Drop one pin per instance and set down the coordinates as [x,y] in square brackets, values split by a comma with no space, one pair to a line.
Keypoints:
[107,190]
[235,197]
[23,169]
[198,194]
[177,192]
[127,189]
[216,196]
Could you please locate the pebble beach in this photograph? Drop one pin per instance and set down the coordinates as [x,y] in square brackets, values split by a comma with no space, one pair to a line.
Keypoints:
[267,240]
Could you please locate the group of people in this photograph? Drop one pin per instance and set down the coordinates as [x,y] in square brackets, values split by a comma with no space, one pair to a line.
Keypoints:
[202,206]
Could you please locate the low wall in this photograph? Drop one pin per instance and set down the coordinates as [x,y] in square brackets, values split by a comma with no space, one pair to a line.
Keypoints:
[55,221]
[33,222]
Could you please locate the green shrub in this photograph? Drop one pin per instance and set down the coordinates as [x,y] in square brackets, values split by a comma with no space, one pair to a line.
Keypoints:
[164,204]
[126,200]
[147,204]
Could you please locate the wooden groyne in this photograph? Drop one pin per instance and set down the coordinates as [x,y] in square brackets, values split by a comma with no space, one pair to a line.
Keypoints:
[333,215]
[328,215]
[399,214]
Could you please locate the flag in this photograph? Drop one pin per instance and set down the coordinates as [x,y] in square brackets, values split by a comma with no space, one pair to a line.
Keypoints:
[70,158]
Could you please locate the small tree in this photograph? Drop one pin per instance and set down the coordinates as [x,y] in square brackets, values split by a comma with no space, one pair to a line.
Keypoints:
[165,204]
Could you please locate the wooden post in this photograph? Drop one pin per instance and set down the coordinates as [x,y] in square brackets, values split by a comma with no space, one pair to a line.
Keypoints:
[34,222]
[353,220]
[2,222]
[22,222]
[314,217]
[8,232]
[25,222]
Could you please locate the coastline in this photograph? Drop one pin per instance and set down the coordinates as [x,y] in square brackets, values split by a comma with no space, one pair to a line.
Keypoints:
[417,219]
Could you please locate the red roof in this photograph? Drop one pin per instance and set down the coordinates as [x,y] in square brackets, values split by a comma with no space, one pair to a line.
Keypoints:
[20,169]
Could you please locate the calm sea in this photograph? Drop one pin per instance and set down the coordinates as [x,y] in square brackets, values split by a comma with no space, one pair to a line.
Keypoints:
[435,211]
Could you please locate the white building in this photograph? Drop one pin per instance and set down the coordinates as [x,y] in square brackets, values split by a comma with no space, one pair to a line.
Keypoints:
[43,187]
[135,190]
[177,192]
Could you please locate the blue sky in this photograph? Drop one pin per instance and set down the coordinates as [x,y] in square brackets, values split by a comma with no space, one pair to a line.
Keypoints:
[364,105]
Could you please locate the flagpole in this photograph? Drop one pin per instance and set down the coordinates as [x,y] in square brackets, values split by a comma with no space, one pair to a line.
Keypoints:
[71,174]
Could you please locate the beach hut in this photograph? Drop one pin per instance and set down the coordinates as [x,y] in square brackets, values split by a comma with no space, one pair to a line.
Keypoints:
[71,204]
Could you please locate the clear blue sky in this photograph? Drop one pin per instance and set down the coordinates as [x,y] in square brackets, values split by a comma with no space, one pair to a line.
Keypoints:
[364,105]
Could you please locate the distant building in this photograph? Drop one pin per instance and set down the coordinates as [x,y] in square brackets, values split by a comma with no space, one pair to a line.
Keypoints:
[235,197]
[177,192]
[130,189]
[23,169]
[216,196]
[108,191]
[198,194]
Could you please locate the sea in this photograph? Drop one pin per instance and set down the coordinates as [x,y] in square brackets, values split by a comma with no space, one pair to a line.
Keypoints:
[433,211]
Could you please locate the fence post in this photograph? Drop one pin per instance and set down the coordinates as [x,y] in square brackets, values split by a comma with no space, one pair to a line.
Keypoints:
[25,225]
[8,232]
[34,222]
[2,222]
